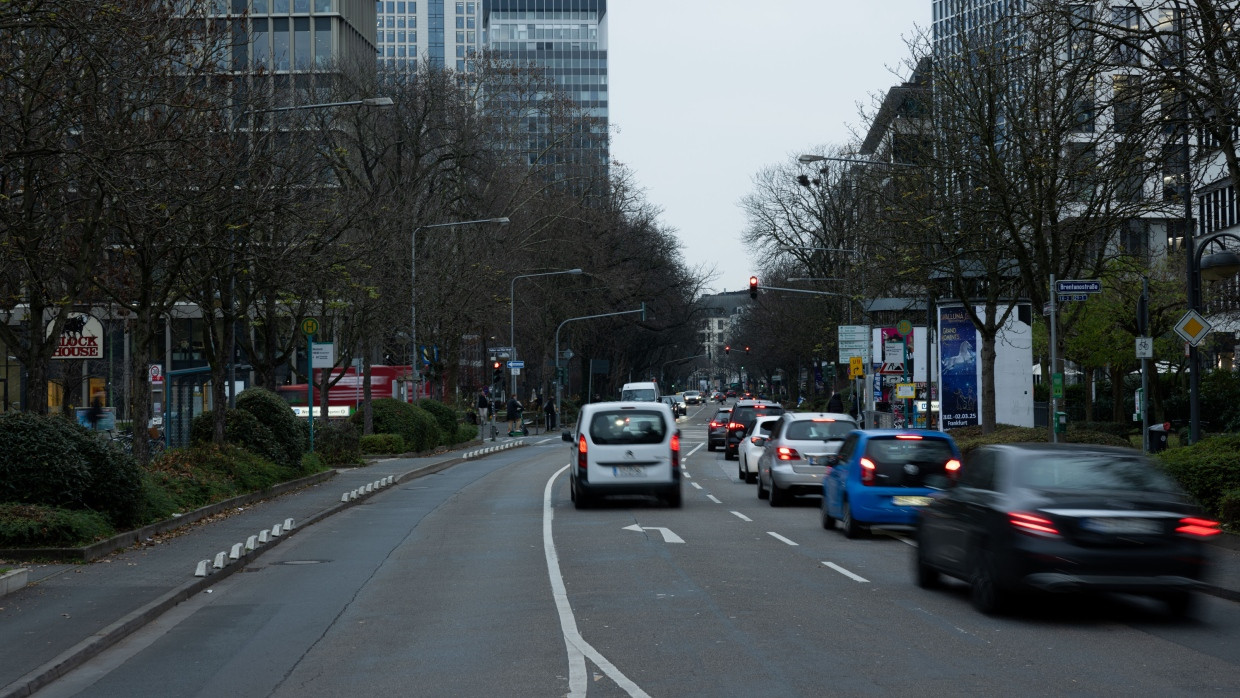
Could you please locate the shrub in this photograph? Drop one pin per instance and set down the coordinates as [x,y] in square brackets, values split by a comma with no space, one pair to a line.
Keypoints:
[40,462]
[426,431]
[312,463]
[969,438]
[465,432]
[382,443]
[37,526]
[1112,428]
[415,426]
[290,433]
[1208,470]
[445,418]
[241,429]
[115,486]
[1229,508]
[337,442]
[205,473]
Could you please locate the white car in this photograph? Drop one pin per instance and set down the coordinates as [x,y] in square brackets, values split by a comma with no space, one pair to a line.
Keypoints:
[796,455]
[624,448]
[750,449]
[693,397]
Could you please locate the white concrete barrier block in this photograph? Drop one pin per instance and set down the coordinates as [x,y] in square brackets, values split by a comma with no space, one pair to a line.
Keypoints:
[379,484]
[344,497]
[391,479]
[276,531]
[288,524]
[235,553]
[202,568]
[368,489]
[221,559]
[353,494]
[251,543]
[264,536]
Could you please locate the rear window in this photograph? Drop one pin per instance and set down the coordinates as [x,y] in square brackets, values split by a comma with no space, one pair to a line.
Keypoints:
[815,430]
[907,462]
[1092,472]
[638,395]
[746,415]
[628,427]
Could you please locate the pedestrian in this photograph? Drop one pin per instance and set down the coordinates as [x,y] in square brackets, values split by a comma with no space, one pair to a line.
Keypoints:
[549,410]
[484,406]
[835,404]
[514,414]
[94,414]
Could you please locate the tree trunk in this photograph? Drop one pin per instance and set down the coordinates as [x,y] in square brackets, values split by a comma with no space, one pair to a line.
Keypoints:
[988,380]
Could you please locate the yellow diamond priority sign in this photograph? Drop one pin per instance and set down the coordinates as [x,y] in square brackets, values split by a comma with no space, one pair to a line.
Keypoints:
[1193,328]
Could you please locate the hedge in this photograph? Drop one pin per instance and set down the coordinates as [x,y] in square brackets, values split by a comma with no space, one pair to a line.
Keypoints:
[416,426]
[291,434]
[383,443]
[1210,471]
[242,429]
[337,442]
[444,416]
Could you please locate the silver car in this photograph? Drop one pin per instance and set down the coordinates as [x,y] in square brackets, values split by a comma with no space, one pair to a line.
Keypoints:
[794,457]
[750,449]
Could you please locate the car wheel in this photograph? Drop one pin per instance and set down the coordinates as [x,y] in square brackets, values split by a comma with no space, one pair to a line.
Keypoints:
[778,497]
[828,521]
[927,576]
[710,446]
[740,469]
[852,529]
[762,493]
[984,589]
[751,478]
[1180,603]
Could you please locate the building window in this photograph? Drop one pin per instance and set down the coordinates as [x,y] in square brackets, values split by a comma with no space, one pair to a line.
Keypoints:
[1173,171]
[1134,238]
[322,42]
[301,43]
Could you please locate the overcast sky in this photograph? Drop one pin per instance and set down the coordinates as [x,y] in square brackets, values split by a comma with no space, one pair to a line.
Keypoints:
[705,93]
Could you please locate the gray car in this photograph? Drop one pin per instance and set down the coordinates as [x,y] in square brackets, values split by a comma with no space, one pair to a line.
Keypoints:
[794,458]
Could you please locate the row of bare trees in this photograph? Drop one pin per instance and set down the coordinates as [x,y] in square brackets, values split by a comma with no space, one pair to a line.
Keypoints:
[1045,144]
[136,176]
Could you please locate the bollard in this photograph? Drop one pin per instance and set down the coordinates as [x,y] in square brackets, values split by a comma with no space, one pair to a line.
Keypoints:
[263,536]
[220,560]
[202,568]
[236,552]
[251,542]
[288,524]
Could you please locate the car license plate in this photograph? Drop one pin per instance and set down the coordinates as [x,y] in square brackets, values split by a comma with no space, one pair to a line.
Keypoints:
[627,471]
[1122,526]
[910,501]
[816,460]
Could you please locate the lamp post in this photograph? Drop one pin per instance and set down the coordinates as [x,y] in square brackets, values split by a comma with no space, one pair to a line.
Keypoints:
[232,352]
[414,369]
[512,313]
[1217,266]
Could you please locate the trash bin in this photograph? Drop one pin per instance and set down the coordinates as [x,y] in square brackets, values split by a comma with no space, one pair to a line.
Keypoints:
[1158,436]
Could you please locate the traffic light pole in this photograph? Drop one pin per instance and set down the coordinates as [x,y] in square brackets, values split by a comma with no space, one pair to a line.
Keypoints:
[559,384]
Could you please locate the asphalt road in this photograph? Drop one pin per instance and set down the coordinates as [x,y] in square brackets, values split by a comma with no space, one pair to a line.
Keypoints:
[483,580]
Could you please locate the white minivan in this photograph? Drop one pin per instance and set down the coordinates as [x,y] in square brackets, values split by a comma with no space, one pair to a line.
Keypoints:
[646,391]
[624,448]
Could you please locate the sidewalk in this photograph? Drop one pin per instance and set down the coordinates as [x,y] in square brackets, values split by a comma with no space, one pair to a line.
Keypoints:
[68,613]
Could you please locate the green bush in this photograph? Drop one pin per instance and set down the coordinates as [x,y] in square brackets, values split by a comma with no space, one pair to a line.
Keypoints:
[37,526]
[205,473]
[415,426]
[115,487]
[1229,508]
[312,463]
[1112,428]
[465,433]
[40,462]
[291,433]
[337,442]
[445,418]
[969,438]
[383,443]
[241,429]
[1208,470]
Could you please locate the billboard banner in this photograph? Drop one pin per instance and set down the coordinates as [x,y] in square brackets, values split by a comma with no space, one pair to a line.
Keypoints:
[80,338]
[958,368]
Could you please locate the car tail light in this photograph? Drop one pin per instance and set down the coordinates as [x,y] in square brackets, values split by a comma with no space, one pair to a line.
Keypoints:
[732,426]
[1202,528]
[785,453]
[754,440]
[715,425]
[675,451]
[868,470]
[1033,524]
[953,468]
[581,452]
[909,437]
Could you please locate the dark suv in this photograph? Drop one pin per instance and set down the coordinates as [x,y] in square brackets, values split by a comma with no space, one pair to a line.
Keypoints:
[744,414]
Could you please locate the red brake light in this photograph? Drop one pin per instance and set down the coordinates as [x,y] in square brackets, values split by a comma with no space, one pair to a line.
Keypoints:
[867,471]
[1203,528]
[909,437]
[581,452]
[1033,524]
[754,440]
[734,425]
[953,468]
[675,450]
[786,453]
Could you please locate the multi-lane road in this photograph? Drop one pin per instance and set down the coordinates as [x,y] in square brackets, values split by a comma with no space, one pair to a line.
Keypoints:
[483,580]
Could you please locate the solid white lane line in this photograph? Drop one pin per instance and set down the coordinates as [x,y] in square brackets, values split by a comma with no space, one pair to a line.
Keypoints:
[741,516]
[778,537]
[544,441]
[578,649]
[846,573]
[696,485]
[713,498]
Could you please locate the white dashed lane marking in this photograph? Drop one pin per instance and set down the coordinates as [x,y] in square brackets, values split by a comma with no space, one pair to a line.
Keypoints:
[846,573]
[778,537]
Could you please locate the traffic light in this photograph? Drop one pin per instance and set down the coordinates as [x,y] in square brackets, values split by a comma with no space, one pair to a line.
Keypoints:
[497,375]
[746,349]
[753,287]
[727,349]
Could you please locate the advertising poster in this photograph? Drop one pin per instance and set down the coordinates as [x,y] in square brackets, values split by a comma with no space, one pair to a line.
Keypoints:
[958,368]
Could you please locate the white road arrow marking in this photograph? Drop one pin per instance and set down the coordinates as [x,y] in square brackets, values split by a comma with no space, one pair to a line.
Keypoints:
[668,536]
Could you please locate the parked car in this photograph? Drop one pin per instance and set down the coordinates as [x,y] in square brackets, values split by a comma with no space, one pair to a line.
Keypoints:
[624,448]
[717,429]
[751,449]
[1064,518]
[884,476]
[794,459]
[693,397]
[670,401]
[744,412]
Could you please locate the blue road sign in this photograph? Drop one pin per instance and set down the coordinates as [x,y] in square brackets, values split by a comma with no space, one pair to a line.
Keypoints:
[1078,286]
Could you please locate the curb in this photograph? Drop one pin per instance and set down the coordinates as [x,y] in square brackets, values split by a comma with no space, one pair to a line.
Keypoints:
[80,653]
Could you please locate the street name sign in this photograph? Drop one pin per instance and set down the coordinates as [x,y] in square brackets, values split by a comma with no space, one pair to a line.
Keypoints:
[1078,286]
[516,364]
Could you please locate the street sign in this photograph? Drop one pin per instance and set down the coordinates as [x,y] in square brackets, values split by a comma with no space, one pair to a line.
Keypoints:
[1145,348]
[155,372]
[1078,286]
[856,367]
[904,328]
[310,326]
[323,354]
[516,371]
[906,391]
[1057,386]
[851,349]
[853,332]
[516,364]
[1068,297]
[501,350]
[1193,328]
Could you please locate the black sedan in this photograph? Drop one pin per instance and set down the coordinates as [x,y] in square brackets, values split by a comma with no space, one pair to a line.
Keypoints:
[1063,518]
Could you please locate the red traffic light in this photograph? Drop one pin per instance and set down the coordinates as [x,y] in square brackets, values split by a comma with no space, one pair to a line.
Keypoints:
[753,287]
[495,365]
[727,349]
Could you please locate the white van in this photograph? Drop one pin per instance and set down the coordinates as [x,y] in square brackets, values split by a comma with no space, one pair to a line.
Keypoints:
[647,391]
[624,448]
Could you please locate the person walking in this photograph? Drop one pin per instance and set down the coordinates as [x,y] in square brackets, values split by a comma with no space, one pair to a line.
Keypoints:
[484,412]
[94,414]
[514,414]
[549,410]
[835,404]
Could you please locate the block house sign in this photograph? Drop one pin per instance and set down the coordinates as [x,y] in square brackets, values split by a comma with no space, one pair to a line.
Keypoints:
[80,338]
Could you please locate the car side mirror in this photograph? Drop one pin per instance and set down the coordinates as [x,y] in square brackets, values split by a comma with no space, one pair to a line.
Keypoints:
[566,435]
[759,441]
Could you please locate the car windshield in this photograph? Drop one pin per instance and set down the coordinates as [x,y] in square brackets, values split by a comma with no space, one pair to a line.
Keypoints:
[627,427]
[907,462]
[746,415]
[818,430]
[1096,471]
[637,395]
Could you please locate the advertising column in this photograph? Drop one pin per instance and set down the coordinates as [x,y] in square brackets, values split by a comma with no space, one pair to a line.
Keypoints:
[958,368]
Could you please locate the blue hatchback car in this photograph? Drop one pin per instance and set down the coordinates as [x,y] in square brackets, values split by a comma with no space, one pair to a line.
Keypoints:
[882,477]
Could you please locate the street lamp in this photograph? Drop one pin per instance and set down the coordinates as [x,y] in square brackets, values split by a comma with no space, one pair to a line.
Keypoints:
[1217,266]
[512,312]
[413,288]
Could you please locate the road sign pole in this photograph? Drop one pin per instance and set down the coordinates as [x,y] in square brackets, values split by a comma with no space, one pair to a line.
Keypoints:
[310,385]
[1054,404]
